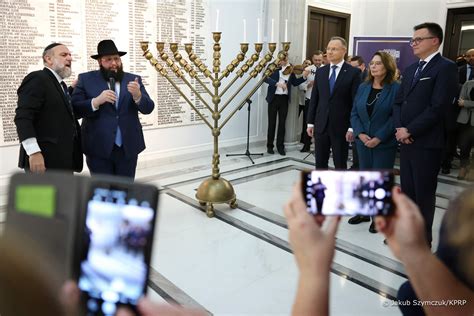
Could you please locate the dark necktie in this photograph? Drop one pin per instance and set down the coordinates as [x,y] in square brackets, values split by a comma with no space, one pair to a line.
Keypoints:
[69,104]
[417,75]
[332,79]
[471,75]
[66,93]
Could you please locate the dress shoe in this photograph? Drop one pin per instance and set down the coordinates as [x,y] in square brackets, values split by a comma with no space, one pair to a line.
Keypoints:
[358,219]
[305,149]
[282,152]
[462,173]
[270,151]
[372,228]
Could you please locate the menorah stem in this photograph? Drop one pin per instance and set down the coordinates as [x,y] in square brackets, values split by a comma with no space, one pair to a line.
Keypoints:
[216,132]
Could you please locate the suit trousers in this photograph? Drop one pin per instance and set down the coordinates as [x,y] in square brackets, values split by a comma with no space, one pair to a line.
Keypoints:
[278,107]
[305,139]
[324,143]
[419,169]
[118,164]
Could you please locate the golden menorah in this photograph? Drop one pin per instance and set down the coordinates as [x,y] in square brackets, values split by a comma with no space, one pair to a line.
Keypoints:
[215,189]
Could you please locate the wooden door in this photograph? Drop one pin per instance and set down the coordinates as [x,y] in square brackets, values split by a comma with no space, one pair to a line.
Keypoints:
[322,25]
[459,31]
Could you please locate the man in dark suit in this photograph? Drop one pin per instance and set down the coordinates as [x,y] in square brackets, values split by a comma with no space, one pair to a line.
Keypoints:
[466,72]
[45,123]
[428,88]
[330,106]
[278,97]
[109,100]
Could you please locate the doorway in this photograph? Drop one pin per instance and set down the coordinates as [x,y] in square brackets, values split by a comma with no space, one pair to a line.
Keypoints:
[322,25]
[459,35]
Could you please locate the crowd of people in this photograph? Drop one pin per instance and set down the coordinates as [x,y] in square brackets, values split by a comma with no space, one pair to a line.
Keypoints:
[375,108]
[425,113]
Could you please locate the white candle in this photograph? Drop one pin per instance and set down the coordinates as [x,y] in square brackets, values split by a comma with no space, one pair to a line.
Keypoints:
[173,39]
[217,20]
[259,36]
[159,30]
[272,39]
[245,31]
[286,30]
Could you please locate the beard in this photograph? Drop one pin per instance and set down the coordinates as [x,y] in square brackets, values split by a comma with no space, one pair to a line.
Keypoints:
[107,73]
[61,69]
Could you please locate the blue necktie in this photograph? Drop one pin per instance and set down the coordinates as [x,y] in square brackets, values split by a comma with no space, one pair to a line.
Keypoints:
[418,71]
[332,78]
[118,135]
[471,75]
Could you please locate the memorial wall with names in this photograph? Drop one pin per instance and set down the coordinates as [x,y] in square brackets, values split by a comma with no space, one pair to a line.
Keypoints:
[27,26]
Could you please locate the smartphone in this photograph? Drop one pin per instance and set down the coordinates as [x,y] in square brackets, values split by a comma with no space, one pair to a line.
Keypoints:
[115,245]
[350,193]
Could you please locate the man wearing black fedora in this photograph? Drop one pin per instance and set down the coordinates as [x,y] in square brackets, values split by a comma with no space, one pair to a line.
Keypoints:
[109,100]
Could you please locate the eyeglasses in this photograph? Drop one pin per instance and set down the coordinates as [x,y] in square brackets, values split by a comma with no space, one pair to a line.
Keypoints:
[375,63]
[418,40]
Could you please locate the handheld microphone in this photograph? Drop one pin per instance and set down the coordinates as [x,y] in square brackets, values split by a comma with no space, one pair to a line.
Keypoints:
[112,83]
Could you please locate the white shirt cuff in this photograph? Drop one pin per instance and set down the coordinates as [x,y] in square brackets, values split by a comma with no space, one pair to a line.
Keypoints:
[92,106]
[310,125]
[350,130]
[31,146]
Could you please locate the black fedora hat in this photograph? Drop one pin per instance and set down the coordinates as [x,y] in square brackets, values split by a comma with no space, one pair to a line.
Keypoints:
[107,47]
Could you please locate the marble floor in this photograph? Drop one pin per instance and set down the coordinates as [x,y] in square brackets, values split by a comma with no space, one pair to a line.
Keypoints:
[240,261]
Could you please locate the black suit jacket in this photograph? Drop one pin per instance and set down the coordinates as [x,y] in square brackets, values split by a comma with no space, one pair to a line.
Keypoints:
[44,112]
[462,74]
[423,108]
[331,112]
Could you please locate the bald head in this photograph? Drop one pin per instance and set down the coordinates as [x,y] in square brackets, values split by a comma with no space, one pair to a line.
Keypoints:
[470,56]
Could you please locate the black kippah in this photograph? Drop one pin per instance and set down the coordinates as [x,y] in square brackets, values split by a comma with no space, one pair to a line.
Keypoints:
[52,45]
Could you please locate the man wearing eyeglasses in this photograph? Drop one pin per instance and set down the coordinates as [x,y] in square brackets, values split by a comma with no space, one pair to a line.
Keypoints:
[427,90]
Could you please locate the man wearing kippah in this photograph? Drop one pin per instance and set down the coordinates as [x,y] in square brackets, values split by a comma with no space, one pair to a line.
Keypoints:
[109,100]
[45,122]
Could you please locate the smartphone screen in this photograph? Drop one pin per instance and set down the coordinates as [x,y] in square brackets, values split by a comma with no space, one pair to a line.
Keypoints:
[116,246]
[349,192]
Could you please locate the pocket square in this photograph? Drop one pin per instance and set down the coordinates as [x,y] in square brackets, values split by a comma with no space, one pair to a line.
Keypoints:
[425,78]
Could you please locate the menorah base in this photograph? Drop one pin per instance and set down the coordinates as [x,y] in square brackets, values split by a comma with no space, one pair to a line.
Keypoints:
[212,191]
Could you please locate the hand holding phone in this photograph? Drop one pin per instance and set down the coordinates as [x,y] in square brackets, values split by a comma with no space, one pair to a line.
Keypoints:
[115,245]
